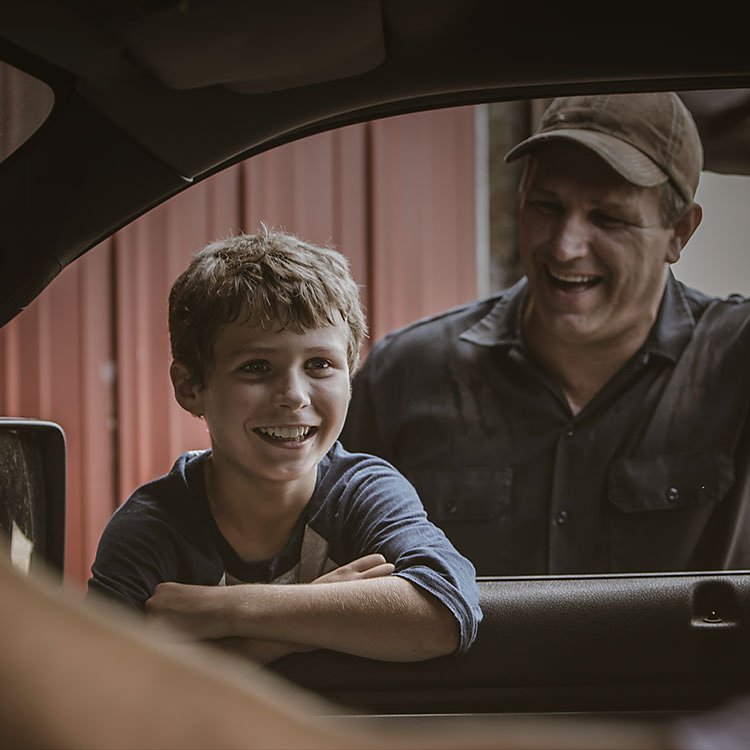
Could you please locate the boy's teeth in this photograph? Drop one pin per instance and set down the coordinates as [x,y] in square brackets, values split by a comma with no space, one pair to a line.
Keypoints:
[285,433]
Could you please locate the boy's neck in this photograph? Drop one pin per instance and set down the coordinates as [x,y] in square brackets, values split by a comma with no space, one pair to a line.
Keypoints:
[256,517]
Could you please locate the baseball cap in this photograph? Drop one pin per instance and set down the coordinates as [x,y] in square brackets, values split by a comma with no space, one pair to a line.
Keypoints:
[648,138]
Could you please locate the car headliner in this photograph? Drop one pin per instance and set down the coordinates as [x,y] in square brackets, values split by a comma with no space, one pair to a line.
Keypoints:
[153,96]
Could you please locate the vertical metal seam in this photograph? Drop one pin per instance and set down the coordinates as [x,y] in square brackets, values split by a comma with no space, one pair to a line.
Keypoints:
[369,232]
[115,437]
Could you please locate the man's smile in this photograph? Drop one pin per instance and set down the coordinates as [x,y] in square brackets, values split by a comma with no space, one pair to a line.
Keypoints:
[568,281]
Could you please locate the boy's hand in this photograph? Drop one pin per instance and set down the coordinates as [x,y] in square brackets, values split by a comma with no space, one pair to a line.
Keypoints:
[369,566]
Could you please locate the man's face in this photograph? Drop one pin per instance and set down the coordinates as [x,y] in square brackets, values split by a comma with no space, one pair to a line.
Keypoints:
[593,248]
[275,401]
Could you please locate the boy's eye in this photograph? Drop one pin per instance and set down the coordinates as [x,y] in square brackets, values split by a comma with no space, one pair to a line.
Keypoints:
[256,367]
[318,363]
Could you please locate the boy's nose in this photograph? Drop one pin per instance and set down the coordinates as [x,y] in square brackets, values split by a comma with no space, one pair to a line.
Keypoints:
[291,392]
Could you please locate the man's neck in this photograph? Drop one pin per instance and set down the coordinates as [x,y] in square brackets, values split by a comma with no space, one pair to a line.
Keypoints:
[582,370]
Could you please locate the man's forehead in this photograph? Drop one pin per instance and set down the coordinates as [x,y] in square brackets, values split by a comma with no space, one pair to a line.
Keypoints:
[561,167]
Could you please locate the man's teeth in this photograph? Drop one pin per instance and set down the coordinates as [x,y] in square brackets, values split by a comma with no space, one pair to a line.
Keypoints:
[572,278]
[285,433]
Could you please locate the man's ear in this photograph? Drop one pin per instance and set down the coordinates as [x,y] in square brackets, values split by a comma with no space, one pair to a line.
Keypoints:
[683,230]
[187,392]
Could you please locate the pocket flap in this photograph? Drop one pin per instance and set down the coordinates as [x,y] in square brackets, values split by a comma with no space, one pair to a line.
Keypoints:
[670,481]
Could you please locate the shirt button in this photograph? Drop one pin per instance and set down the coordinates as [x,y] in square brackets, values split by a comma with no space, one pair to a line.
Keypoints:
[673,494]
[452,509]
[561,517]
[569,432]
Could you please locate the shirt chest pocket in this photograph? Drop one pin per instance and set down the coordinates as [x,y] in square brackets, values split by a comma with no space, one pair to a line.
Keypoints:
[670,481]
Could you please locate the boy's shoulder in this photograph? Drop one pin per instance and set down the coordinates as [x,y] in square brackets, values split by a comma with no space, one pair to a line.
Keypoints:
[339,463]
[348,480]
[170,494]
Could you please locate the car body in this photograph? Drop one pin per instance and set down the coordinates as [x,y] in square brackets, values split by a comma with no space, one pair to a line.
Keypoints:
[151,98]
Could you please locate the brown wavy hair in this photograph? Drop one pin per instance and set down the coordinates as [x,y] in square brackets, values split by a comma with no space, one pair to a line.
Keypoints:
[271,278]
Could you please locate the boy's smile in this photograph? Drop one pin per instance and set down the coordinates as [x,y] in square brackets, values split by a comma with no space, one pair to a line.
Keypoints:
[274,403]
[285,435]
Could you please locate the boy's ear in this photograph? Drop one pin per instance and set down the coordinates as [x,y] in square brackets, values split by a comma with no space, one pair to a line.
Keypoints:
[187,392]
[683,231]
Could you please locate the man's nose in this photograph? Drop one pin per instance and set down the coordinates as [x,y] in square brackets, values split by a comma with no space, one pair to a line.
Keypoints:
[571,238]
[291,391]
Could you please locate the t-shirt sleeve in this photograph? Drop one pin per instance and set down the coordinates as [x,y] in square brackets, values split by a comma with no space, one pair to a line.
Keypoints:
[382,513]
[136,552]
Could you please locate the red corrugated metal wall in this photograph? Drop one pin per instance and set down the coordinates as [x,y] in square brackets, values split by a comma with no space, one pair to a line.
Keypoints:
[92,353]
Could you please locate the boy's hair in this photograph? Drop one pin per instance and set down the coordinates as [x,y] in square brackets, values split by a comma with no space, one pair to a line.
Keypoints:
[270,278]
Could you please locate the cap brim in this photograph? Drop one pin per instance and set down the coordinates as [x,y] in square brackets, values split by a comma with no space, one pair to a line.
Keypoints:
[625,159]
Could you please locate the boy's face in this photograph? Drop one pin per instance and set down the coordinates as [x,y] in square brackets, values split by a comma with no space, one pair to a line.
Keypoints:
[275,401]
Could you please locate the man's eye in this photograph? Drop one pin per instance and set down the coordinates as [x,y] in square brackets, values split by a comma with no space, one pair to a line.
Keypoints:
[256,367]
[546,207]
[607,220]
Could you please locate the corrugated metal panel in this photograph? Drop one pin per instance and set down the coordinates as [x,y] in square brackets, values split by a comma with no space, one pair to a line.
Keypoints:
[57,364]
[424,242]
[395,196]
[316,188]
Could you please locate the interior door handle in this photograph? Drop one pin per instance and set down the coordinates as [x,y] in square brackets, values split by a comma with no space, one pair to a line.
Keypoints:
[714,606]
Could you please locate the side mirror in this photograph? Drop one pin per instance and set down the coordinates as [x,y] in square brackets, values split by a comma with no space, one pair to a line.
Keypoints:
[32,493]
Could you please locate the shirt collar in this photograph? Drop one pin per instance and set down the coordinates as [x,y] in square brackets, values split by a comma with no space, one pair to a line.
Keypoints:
[502,324]
[674,322]
[671,330]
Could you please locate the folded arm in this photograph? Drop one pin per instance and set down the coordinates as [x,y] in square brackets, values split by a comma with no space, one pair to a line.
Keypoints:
[385,617]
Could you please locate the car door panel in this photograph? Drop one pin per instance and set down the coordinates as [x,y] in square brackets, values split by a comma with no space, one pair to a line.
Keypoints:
[635,643]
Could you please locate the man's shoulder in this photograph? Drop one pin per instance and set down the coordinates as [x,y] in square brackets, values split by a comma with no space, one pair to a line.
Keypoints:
[722,318]
[700,301]
[444,327]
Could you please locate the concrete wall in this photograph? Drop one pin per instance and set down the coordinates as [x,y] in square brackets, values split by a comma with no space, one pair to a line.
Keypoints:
[717,258]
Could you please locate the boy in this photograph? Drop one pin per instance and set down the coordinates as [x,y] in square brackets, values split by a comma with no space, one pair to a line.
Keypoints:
[265,332]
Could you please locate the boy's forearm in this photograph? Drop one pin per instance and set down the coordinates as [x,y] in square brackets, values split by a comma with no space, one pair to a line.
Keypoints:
[259,651]
[385,618]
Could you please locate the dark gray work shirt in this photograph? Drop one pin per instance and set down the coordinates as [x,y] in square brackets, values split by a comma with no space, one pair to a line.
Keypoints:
[361,505]
[650,476]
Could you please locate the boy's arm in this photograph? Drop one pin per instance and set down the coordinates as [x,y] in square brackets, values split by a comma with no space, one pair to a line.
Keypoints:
[429,607]
[264,652]
[385,618]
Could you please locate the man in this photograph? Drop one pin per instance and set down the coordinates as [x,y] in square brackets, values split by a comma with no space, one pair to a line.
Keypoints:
[590,418]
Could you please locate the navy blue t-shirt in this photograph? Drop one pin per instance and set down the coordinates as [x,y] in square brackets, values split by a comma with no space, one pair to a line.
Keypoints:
[361,505]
